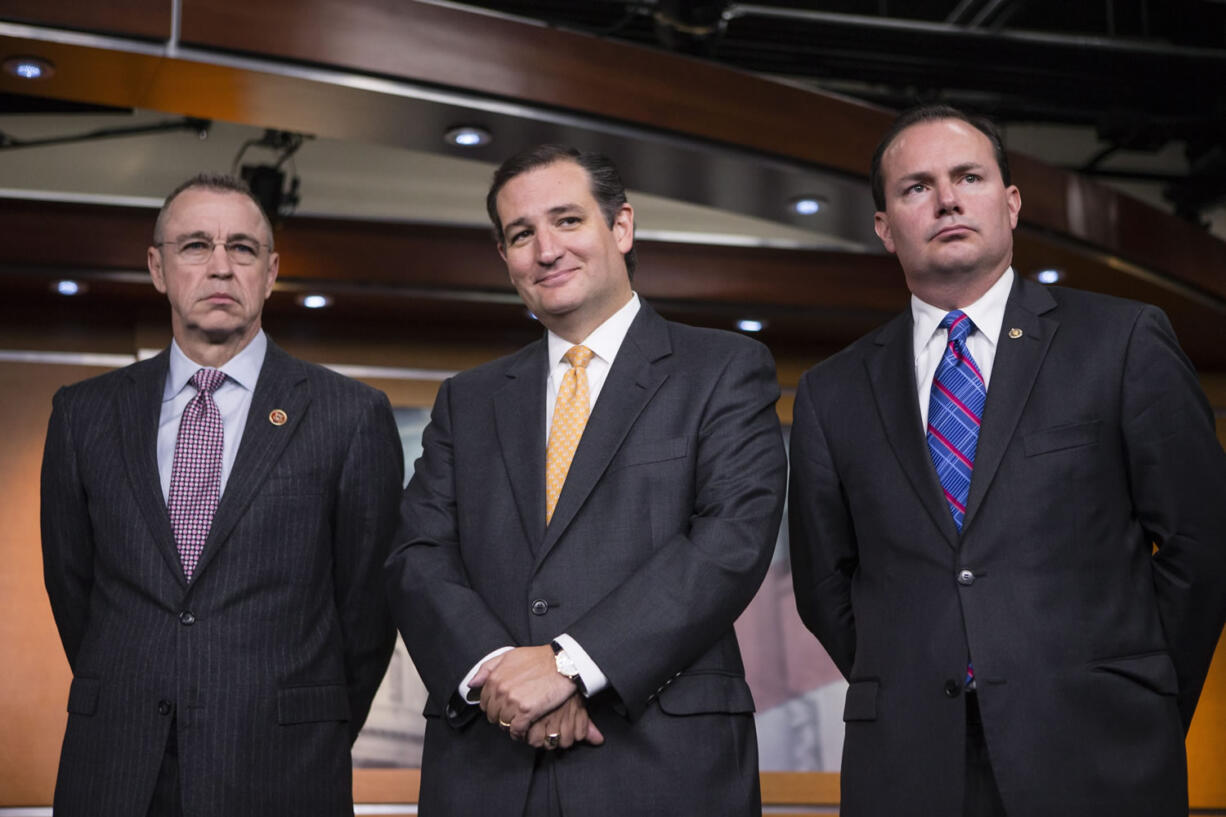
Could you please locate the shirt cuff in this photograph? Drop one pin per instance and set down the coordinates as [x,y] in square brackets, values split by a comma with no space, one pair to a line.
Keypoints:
[466,692]
[593,679]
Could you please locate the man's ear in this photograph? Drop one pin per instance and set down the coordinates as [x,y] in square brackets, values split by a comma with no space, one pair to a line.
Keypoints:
[153,259]
[623,228]
[881,223]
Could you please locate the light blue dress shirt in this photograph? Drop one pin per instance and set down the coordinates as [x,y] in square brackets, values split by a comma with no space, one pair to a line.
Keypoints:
[233,398]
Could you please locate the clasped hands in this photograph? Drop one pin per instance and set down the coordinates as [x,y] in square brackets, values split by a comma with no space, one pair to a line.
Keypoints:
[522,691]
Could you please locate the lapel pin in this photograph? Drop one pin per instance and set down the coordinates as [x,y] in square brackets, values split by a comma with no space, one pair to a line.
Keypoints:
[1015,333]
[277,417]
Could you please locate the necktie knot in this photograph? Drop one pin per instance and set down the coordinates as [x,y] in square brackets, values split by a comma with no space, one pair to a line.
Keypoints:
[208,380]
[958,325]
[579,356]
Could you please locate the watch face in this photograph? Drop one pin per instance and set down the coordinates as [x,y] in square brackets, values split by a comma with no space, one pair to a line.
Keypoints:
[565,665]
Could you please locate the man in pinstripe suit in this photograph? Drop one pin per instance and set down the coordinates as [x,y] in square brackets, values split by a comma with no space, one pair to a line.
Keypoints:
[225,651]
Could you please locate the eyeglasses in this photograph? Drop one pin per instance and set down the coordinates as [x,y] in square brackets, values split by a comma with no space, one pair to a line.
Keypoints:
[242,252]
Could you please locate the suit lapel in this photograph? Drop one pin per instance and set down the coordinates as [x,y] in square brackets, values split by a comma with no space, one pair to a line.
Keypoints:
[519,420]
[1014,370]
[140,407]
[281,385]
[632,381]
[891,371]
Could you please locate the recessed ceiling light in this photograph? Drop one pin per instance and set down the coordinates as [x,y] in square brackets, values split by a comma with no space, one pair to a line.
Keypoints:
[1048,276]
[315,301]
[468,136]
[29,67]
[807,205]
[750,325]
[68,287]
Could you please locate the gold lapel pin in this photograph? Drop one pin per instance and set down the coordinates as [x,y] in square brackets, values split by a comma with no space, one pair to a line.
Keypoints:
[1015,333]
[277,417]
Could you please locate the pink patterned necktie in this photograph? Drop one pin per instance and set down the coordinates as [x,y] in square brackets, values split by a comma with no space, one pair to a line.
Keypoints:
[195,477]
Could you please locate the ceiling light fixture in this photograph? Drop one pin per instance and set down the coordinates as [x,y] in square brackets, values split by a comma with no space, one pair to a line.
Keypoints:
[468,136]
[807,205]
[68,287]
[750,325]
[315,300]
[26,67]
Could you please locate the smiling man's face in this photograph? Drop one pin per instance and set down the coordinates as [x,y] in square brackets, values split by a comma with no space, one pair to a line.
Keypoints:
[214,301]
[564,258]
[948,214]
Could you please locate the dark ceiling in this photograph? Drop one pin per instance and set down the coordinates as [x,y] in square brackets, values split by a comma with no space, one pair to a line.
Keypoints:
[1141,73]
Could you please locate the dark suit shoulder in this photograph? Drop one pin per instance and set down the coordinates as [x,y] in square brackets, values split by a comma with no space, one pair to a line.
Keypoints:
[103,385]
[325,381]
[495,372]
[849,361]
[708,342]
[1079,303]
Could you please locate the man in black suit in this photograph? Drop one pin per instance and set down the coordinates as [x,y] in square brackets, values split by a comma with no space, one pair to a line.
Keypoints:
[214,524]
[589,612]
[977,491]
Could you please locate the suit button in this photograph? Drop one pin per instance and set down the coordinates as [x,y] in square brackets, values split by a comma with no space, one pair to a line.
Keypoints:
[164,707]
[186,618]
[966,578]
[540,607]
[952,688]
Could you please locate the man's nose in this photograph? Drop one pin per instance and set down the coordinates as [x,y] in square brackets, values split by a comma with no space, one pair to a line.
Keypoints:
[947,199]
[219,263]
[548,248]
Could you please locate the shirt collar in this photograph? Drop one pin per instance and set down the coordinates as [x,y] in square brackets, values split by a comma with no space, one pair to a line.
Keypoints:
[243,368]
[987,313]
[605,340]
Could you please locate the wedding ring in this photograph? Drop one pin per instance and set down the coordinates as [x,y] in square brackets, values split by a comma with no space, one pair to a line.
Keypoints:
[505,726]
[551,740]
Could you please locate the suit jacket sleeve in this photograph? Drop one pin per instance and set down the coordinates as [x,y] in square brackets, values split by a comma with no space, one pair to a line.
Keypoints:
[823,540]
[68,539]
[674,605]
[1178,474]
[367,499]
[445,623]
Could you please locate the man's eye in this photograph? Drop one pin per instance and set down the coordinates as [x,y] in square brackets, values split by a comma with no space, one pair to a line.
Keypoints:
[195,245]
[519,237]
[915,188]
[569,220]
[243,248]
[972,177]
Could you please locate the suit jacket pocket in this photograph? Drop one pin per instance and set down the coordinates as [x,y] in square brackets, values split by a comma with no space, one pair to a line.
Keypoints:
[83,696]
[650,451]
[328,702]
[1059,438]
[1153,670]
[705,692]
[861,703]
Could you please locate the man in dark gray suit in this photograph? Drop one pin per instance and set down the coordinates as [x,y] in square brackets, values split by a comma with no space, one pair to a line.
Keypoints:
[214,524]
[977,491]
[587,605]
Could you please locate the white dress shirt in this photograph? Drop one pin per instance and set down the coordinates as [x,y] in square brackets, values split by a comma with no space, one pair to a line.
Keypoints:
[604,341]
[233,399]
[929,340]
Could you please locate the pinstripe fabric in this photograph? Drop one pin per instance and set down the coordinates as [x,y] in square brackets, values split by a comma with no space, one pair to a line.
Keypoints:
[269,659]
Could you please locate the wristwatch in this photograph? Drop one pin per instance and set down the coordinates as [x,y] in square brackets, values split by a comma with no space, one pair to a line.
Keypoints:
[566,667]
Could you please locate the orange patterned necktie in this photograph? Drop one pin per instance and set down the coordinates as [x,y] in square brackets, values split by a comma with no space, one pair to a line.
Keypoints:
[569,418]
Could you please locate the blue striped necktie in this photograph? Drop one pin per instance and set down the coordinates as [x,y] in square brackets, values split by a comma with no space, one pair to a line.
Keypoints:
[954,413]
